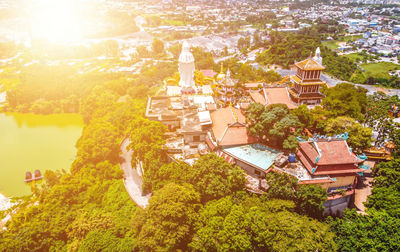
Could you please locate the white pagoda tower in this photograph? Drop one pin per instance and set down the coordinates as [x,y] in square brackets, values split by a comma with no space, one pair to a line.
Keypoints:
[186,67]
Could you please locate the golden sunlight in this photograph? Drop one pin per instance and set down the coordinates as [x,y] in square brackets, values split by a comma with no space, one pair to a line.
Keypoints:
[56,20]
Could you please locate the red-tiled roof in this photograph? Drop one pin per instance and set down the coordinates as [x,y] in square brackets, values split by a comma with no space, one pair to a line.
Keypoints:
[236,135]
[332,171]
[330,152]
[257,97]
[307,164]
[229,127]
[208,72]
[210,144]
[278,95]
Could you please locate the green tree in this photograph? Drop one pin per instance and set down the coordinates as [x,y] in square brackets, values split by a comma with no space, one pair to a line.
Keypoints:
[158,46]
[345,100]
[273,124]
[281,186]
[175,49]
[386,192]
[377,116]
[210,175]
[214,178]
[142,51]
[310,200]
[166,224]
[376,231]
[255,225]
[359,137]
[305,116]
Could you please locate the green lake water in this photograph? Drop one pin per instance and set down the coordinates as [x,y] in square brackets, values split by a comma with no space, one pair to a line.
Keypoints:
[29,142]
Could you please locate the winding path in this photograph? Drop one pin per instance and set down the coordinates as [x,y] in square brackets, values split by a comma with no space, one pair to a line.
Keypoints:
[132,180]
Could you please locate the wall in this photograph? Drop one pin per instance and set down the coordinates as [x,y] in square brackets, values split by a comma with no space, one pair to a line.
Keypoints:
[336,206]
[340,181]
[248,168]
[188,138]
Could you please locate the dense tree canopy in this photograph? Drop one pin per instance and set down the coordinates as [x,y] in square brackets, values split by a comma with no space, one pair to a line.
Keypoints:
[166,224]
[376,231]
[377,116]
[287,48]
[252,224]
[273,124]
[386,192]
[359,137]
[345,100]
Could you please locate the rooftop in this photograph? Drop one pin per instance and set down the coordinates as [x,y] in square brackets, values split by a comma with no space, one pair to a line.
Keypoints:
[329,152]
[257,97]
[229,127]
[309,64]
[208,72]
[256,155]
[162,107]
[275,95]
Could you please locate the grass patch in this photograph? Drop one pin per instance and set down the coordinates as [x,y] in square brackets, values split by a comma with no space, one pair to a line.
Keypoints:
[354,56]
[381,67]
[331,44]
[174,22]
[350,38]
[334,44]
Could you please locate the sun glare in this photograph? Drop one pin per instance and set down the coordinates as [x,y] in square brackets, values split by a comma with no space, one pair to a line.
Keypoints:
[56,21]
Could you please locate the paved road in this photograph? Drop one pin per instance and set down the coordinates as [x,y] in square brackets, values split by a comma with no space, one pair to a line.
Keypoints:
[132,180]
[362,192]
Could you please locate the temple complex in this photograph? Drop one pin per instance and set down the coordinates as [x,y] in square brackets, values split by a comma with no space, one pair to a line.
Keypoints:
[203,118]
[307,82]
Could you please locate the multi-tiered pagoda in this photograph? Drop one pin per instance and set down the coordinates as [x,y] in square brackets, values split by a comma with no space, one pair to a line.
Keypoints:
[225,88]
[307,82]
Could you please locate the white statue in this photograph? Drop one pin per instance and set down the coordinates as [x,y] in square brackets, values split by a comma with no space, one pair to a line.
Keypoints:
[317,56]
[186,66]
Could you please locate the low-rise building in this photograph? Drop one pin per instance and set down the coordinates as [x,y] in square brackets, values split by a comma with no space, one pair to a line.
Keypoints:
[331,164]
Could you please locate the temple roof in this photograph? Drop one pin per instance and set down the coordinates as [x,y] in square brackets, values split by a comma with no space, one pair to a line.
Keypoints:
[208,72]
[278,95]
[309,64]
[229,127]
[329,152]
[257,97]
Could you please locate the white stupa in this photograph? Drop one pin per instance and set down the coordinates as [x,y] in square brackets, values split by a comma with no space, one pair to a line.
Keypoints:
[317,56]
[186,66]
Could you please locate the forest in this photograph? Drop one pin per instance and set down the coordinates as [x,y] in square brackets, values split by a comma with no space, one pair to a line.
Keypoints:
[286,48]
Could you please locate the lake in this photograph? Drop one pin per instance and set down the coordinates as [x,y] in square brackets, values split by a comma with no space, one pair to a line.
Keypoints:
[29,142]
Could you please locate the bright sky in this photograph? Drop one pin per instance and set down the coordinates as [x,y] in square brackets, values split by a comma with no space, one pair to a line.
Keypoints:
[56,20]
